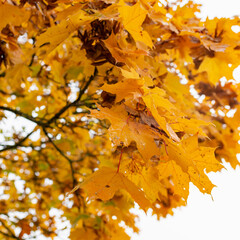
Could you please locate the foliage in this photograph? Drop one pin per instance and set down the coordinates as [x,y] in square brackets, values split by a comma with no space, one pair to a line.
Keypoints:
[129,102]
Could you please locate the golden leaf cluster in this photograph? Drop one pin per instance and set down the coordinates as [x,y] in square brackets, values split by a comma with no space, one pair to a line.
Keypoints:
[122,102]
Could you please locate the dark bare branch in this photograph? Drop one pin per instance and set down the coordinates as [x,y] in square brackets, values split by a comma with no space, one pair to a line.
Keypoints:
[66,107]
[24,115]
[10,232]
[62,154]
[17,144]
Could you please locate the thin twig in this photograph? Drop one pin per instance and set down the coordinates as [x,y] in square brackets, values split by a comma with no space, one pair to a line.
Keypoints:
[66,107]
[61,153]
[18,144]
[24,115]
[70,164]
[11,234]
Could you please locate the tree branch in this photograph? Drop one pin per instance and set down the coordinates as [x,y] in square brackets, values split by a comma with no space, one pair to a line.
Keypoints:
[70,164]
[61,153]
[9,147]
[66,107]
[24,115]
[11,234]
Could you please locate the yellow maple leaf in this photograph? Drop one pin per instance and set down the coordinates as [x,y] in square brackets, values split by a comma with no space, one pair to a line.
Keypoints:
[55,35]
[10,14]
[124,130]
[132,74]
[105,182]
[194,161]
[83,233]
[201,181]
[155,100]
[187,154]
[216,67]
[133,17]
[149,181]
[127,87]
[179,178]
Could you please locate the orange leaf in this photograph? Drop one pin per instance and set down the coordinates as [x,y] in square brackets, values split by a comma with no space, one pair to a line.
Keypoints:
[133,18]
[125,130]
[105,182]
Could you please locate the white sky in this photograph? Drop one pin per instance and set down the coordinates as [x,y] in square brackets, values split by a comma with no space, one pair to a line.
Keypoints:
[203,219]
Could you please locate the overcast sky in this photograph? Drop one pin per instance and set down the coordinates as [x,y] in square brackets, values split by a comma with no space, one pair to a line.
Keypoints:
[203,219]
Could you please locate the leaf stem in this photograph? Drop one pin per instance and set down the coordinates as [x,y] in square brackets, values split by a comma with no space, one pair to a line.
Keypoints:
[119,162]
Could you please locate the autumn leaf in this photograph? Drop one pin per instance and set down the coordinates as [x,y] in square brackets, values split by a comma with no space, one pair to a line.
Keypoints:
[133,17]
[106,181]
[201,181]
[125,130]
[10,14]
[125,88]
[188,154]
[211,66]
[154,99]
[179,178]
[57,34]
[149,180]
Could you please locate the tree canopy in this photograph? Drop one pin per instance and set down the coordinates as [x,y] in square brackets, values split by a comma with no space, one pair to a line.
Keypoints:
[123,102]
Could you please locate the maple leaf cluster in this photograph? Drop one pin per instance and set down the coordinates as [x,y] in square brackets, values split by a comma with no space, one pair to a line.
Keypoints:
[124,102]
